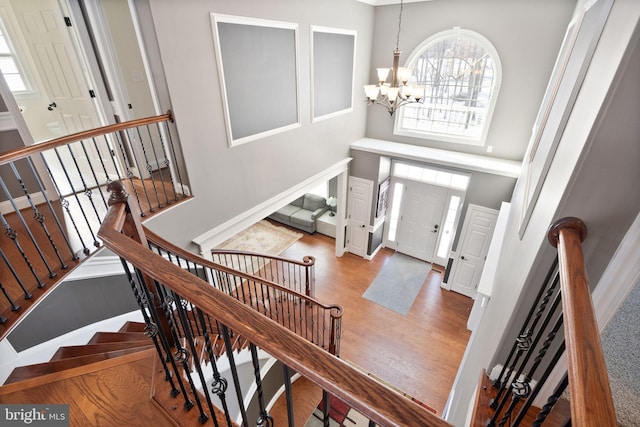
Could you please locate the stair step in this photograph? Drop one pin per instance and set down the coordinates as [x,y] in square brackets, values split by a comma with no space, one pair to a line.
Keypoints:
[89,349]
[104,337]
[133,327]
[32,371]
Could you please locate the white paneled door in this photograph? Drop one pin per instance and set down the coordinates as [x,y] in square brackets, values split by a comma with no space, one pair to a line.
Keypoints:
[421,219]
[359,213]
[472,250]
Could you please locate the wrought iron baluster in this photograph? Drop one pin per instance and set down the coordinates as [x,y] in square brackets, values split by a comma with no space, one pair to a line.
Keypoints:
[65,205]
[288,395]
[188,404]
[130,175]
[173,151]
[75,195]
[93,172]
[196,362]
[13,235]
[546,409]
[12,232]
[27,294]
[234,373]
[137,163]
[14,306]
[167,163]
[86,189]
[219,384]
[265,419]
[151,327]
[155,155]
[38,216]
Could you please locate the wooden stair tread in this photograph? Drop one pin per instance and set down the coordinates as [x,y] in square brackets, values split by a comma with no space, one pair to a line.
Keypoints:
[104,337]
[133,327]
[89,349]
[32,371]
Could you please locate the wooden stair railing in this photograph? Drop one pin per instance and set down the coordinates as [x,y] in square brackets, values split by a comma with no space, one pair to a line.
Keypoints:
[53,200]
[318,322]
[373,399]
[590,393]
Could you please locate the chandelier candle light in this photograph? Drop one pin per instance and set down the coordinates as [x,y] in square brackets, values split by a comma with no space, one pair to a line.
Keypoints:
[397,93]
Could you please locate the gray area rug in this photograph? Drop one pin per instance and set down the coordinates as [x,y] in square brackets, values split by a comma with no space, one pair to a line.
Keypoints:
[398,283]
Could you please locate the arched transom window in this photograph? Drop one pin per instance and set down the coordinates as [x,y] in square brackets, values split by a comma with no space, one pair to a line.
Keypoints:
[460,71]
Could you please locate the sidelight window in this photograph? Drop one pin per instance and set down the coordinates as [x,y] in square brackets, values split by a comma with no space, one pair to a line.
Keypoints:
[12,70]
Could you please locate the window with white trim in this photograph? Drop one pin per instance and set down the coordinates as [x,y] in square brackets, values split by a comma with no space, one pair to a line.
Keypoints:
[10,65]
[460,71]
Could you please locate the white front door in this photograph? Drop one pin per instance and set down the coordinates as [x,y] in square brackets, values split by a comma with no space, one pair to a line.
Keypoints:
[422,207]
[359,213]
[472,250]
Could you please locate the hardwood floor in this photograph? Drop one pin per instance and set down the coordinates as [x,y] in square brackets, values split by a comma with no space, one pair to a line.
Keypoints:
[418,354]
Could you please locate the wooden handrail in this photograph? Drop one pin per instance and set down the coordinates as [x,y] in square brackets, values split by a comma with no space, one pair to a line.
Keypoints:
[152,237]
[307,261]
[22,152]
[591,401]
[375,400]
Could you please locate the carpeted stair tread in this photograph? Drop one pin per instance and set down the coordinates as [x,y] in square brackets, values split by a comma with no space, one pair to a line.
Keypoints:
[133,327]
[104,337]
[89,349]
[32,371]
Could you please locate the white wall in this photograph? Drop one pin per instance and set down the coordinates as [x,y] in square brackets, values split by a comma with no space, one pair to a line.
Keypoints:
[590,177]
[228,181]
[527,36]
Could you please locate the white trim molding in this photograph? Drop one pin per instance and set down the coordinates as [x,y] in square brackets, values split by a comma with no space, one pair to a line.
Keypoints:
[219,234]
[7,122]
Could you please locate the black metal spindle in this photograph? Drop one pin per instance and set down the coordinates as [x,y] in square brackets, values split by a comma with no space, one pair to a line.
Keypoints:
[265,419]
[234,373]
[546,409]
[527,355]
[86,189]
[102,163]
[53,212]
[155,155]
[93,173]
[219,384]
[27,294]
[14,306]
[152,328]
[173,151]
[12,232]
[65,205]
[188,404]
[120,138]
[148,165]
[75,195]
[288,395]
[13,235]
[196,362]
[137,164]
[38,216]
[167,162]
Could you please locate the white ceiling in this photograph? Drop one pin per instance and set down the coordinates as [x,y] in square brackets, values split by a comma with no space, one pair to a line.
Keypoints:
[385,2]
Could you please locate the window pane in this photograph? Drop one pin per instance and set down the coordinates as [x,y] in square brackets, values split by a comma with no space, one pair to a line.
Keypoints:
[8,65]
[458,71]
[15,82]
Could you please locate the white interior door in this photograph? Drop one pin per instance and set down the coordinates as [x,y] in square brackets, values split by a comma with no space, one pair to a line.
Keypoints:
[472,250]
[66,105]
[422,208]
[359,213]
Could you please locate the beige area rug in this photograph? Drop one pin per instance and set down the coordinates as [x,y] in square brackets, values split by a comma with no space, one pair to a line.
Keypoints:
[262,237]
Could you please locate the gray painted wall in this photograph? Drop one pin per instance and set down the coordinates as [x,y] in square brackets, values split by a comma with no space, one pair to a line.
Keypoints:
[229,181]
[72,305]
[527,36]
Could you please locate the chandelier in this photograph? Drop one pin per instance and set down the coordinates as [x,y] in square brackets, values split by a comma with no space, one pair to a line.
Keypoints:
[398,92]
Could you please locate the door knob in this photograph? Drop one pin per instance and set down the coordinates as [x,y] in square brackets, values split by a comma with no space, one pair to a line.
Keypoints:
[362,226]
[51,106]
[462,257]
